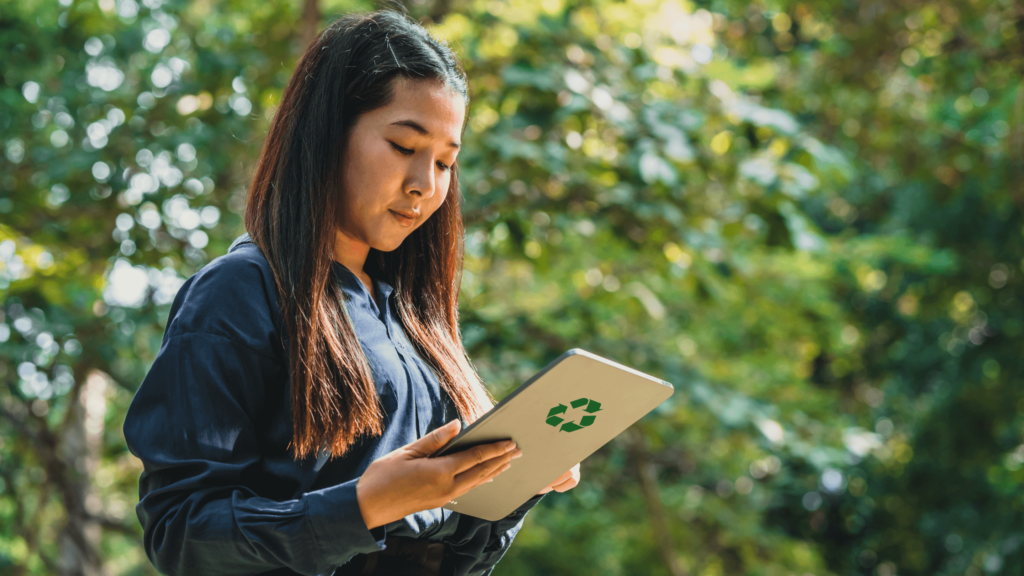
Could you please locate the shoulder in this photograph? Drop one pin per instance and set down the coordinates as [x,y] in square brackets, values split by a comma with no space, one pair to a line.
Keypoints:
[233,296]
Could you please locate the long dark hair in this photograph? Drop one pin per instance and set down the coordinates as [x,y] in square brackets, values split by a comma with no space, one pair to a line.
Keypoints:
[346,71]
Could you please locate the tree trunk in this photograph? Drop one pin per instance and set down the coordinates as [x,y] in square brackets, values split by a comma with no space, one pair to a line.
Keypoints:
[1017,140]
[80,452]
[310,22]
[440,9]
[69,456]
[648,474]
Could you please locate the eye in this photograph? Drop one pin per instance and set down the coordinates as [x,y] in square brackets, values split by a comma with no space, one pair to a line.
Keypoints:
[405,151]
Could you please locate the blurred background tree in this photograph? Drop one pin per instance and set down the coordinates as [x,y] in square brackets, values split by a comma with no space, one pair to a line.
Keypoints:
[806,215]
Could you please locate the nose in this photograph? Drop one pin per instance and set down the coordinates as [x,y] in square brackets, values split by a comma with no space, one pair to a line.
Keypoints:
[422,179]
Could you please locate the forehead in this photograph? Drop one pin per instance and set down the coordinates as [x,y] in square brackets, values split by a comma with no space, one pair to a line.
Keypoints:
[431,104]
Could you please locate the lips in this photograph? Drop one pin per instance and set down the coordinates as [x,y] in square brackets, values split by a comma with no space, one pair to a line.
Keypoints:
[405,219]
[412,215]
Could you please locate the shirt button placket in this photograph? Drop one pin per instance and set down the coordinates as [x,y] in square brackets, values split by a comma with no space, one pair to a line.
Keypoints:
[399,347]
[395,341]
[390,329]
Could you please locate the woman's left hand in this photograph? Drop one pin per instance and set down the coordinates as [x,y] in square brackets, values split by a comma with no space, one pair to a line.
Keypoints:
[564,482]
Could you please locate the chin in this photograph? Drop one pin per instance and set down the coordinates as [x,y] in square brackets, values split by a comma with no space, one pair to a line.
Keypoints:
[388,245]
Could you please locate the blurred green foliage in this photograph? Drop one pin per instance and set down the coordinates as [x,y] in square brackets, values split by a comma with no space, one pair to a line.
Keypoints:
[806,215]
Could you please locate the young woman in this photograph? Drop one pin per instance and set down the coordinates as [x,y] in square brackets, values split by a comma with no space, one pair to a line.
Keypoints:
[305,376]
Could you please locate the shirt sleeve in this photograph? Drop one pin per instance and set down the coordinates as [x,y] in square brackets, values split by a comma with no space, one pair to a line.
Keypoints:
[204,505]
[190,424]
[479,544]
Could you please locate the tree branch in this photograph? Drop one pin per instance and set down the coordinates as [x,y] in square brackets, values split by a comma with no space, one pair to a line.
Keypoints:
[113,525]
[647,473]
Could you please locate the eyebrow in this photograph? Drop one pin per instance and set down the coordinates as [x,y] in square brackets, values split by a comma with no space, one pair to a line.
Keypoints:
[417,127]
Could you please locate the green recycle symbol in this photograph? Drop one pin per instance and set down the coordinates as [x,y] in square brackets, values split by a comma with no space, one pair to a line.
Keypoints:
[571,426]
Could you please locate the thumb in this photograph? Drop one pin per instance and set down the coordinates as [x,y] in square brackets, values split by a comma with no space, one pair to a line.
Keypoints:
[437,439]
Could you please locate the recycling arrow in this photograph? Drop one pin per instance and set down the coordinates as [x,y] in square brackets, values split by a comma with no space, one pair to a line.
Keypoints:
[558,414]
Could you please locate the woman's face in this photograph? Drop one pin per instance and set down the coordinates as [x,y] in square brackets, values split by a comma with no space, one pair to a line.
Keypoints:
[396,167]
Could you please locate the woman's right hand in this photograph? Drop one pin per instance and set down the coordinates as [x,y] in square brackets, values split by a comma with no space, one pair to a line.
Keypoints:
[407,481]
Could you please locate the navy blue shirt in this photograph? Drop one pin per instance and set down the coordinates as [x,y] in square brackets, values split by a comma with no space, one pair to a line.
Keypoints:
[220,493]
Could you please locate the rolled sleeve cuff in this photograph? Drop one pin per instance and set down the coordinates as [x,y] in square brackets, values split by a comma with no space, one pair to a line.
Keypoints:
[338,524]
[526,506]
[516,516]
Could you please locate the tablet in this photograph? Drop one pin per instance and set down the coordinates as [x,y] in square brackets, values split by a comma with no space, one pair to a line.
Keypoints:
[563,414]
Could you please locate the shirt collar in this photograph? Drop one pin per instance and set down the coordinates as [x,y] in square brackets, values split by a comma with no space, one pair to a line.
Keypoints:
[349,281]
[353,285]
[243,239]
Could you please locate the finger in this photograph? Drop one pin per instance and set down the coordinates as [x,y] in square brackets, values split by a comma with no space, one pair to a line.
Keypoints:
[478,475]
[573,475]
[571,482]
[567,485]
[435,440]
[483,472]
[467,459]
[563,477]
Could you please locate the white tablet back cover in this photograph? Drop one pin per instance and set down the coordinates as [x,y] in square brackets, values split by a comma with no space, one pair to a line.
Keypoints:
[565,413]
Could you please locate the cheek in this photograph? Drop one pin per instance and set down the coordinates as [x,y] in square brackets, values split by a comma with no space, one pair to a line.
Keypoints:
[363,189]
[364,181]
[443,184]
[439,199]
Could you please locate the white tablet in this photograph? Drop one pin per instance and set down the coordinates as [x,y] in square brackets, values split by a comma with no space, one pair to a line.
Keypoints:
[563,414]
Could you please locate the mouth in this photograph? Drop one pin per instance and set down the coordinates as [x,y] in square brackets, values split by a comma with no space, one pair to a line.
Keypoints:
[404,218]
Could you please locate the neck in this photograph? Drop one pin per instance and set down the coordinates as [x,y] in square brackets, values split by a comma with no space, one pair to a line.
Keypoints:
[350,252]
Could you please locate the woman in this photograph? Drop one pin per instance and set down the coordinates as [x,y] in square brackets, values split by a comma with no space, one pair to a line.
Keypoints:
[305,375]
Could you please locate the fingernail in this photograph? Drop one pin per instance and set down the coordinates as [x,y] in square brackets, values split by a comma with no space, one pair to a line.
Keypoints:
[517,454]
[509,446]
